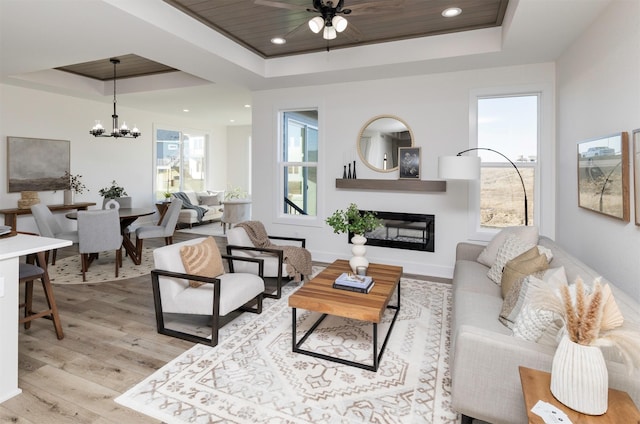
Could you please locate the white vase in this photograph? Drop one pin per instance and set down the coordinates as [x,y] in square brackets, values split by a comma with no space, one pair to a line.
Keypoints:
[358,250]
[579,377]
[68,197]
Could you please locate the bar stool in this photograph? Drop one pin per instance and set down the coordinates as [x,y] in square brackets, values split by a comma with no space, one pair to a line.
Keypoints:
[29,272]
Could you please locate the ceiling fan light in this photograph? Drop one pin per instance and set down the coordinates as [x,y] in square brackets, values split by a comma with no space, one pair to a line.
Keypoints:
[339,23]
[316,24]
[329,33]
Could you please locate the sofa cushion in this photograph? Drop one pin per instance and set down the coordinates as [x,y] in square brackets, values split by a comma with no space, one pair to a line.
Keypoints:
[209,200]
[490,253]
[512,247]
[516,298]
[519,267]
[202,259]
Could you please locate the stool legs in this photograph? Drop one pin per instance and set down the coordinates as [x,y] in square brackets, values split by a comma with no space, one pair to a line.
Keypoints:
[52,312]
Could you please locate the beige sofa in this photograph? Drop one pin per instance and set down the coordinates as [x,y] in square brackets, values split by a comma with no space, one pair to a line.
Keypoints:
[485,355]
[210,200]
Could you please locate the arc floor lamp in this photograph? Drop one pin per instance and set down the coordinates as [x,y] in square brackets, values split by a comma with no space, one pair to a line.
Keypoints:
[468,168]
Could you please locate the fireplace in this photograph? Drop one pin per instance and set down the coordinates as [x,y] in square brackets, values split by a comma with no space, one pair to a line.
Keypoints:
[403,231]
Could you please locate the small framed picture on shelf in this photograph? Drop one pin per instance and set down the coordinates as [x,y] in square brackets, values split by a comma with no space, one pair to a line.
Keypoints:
[409,162]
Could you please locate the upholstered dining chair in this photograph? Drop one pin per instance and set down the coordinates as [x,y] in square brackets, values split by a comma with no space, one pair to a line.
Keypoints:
[124,202]
[166,228]
[206,289]
[28,272]
[240,245]
[99,231]
[48,226]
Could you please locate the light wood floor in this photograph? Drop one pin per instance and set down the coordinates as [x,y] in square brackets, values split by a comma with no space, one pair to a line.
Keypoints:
[110,344]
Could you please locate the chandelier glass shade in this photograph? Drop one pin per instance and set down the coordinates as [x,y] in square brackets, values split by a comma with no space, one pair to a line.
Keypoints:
[117,131]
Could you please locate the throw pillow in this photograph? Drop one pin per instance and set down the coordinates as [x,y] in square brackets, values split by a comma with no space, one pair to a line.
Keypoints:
[209,200]
[512,247]
[489,254]
[519,267]
[517,298]
[202,259]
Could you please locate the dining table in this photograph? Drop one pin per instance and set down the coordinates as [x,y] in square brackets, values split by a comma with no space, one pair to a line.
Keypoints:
[127,217]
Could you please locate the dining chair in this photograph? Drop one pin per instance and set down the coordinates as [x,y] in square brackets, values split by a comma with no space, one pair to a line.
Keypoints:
[98,231]
[124,202]
[165,229]
[27,273]
[48,226]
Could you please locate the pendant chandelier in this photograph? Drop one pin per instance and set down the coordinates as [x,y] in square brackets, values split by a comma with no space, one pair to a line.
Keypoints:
[117,131]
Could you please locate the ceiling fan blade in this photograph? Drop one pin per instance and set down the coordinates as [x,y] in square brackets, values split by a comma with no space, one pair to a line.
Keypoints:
[296,30]
[390,6]
[280,5]
[352,32]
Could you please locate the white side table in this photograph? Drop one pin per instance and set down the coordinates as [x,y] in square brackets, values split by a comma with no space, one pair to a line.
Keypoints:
[235,211]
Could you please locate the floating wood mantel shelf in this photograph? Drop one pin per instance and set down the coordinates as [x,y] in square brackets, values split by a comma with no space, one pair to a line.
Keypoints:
[392,185]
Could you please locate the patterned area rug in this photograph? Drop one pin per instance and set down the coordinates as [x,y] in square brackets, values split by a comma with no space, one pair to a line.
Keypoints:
[213,229]
[252,376]
[69,271]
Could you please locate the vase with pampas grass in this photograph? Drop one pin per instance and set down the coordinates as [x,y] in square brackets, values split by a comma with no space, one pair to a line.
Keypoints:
[579,377]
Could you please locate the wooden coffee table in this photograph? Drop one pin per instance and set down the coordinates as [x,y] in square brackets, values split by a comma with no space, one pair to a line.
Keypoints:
[318,295]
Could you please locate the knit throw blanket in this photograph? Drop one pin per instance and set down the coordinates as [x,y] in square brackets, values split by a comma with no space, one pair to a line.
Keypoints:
[296,258]
[186,204]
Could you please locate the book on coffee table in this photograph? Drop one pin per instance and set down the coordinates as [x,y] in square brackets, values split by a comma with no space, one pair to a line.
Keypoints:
[365,289]
[349,279]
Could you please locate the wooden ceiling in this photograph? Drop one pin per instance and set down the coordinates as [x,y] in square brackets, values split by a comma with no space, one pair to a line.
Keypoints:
[372,21]
[130,66]
[254,25]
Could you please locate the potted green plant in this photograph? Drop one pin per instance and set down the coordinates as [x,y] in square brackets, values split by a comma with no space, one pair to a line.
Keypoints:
[112,192]
[235,193]
[350,220]
[75,186]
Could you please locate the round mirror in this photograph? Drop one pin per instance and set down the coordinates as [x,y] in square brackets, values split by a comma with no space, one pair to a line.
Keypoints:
[379,140]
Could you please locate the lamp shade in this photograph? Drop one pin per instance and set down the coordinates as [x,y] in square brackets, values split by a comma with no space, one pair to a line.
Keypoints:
[459,167]
[329,33]
[316,24]
[339,23]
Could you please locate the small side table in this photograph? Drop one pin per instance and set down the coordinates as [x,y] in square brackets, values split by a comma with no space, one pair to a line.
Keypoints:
[536,386]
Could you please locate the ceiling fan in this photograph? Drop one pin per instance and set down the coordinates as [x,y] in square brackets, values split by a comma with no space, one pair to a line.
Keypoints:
[330,21]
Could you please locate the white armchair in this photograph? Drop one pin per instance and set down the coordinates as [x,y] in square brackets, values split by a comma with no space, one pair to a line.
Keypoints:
[240,245]
[219,295]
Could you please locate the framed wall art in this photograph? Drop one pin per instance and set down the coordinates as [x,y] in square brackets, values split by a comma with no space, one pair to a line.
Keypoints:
[636,172]
[603,175]
[409,162]
[37,164]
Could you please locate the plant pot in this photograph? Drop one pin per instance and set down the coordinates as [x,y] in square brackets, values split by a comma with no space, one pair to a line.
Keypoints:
[358,250]
[579,377]
[69,197]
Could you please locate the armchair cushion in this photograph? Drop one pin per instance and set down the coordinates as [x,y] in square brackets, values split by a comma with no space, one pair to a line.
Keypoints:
[202,259]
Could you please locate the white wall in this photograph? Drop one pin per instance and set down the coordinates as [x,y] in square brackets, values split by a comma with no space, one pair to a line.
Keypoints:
[239,157]
[598,89]
[436,107]
[37,114]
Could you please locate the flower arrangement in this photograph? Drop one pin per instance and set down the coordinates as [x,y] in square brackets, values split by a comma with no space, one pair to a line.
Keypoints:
[591,317]
[350,220]
[235,193]
[112,192]
[75,184]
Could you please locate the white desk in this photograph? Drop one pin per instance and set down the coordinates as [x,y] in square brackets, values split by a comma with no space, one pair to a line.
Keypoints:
[11,249]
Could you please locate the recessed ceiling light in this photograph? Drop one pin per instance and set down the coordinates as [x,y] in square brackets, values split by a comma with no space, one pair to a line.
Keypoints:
[232,120]
[247,106]
[278,40]
[185,110]
[451,12]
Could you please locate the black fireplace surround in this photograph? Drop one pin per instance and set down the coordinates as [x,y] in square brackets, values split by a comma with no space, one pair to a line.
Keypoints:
[409,231]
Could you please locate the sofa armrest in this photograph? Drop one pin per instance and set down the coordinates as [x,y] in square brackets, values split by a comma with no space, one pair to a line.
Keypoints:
[302,241]
[468,251]
[485,377]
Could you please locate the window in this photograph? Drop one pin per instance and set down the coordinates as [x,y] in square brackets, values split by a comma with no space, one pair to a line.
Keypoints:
[180,161]
[299,162]
[509,125]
